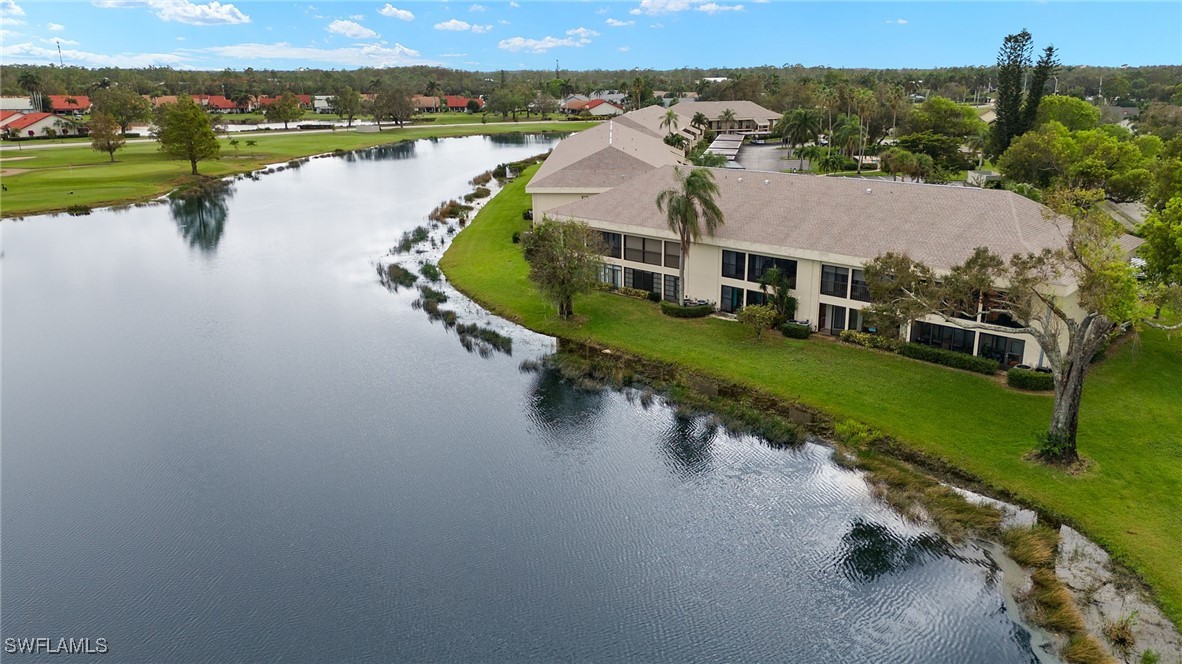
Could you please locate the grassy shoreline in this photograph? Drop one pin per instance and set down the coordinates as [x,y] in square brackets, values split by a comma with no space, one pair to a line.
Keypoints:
[1128,502]
[51,180]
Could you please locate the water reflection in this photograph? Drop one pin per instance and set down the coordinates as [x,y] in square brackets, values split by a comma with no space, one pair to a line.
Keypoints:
[558,408]
[201,220]
[870,550]
[687,445]
[403,150]
[514,138]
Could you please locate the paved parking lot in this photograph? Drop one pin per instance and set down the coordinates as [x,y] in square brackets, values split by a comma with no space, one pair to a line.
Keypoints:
[768,157]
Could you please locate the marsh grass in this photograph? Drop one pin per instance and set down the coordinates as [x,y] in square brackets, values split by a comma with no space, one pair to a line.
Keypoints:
[483,340]
[1031,547]
[394,276]
[1083,649]
[430,272]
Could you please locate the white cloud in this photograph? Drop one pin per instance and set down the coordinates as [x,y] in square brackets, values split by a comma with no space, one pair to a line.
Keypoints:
[456,25]
[897,21]
[503,22]
[657,26]
[617,23]
[514,5]
[351,29]
[64,42]
[13,21]
[9,8]
[180,39]
[31,54]
[361,55]
[453,55]
[517,44]
[55,27]
[477,8]
[714,8]
[624,49]
[356,17]
[659,7]
[583,34]
[394,12]
[183,11]
[602,10]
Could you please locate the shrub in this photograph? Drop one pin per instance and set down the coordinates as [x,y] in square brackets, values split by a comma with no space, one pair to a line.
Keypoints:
[78,210]
[653,297]
[758,317]
[1028,379]
[430,271]
[482,192]
[429,293]
[855,433]
[949,358]
[796,330]
[516,237]
[677,311]
[633,292]
[395,275]
[868,340]
[482,179]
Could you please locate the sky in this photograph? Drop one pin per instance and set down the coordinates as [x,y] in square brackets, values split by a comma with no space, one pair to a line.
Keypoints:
[578,35]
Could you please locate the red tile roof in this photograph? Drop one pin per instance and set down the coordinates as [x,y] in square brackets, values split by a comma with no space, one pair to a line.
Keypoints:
[4,115]
[456,101]
[577,104]
[598,102]
[220,103]
[29,119]
[58,102]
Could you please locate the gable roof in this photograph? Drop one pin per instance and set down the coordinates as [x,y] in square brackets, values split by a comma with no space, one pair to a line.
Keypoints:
[29,119]
[939,225]
[59,103]
[603,156]
[595,103]
[5,115]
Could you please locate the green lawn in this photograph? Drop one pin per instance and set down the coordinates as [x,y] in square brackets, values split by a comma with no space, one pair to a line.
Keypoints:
[1130,500]
[60,177]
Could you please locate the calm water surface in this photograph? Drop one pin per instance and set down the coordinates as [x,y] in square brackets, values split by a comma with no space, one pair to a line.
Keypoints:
[224,441]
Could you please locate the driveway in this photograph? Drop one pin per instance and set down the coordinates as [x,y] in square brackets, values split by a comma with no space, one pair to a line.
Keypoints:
[768,157]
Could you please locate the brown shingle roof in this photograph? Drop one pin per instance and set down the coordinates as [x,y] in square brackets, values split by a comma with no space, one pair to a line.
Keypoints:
[939,225]
[603,156]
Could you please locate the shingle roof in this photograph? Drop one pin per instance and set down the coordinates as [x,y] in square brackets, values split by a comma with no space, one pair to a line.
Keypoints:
[939,225]
[603,156]
[28,119]
[61,102]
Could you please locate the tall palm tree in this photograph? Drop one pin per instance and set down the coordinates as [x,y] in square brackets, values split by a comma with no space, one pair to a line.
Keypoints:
[831,102]
[866,104]
[896,99]
[799,126]
[727,118]
[432,88]
[977,143]
[700,120]
[669,121]
[847,134]
[565,88]
[689,206]
[31,83]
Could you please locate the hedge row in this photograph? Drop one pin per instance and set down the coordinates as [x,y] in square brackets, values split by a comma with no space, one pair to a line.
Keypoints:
[871,340]
[677,311]
[1028,379]
[949,358]
[796,330]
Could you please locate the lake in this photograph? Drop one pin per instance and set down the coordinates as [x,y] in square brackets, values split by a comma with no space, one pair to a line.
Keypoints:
[224,440]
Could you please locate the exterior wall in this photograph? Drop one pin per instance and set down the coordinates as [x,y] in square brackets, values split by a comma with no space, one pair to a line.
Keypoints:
[545,201]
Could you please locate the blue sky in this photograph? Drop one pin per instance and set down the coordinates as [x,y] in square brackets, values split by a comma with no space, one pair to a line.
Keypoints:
[660,34]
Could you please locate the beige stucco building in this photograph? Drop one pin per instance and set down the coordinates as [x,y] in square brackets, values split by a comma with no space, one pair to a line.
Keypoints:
[819,230]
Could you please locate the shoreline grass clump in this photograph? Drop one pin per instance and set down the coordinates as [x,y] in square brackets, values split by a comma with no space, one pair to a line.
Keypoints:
[430,272]
[450,209]
[428,293]
[394,276]
[483,340]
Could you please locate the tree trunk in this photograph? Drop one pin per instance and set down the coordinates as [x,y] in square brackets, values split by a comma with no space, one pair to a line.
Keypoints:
[193,162]
[681,276]
[566,307]
[1065,412]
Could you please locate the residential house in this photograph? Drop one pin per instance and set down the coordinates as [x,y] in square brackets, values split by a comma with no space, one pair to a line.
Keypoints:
[157,102]
[602,108]
[323,104]
[457,103]
[819,231]
[425,104]
[69,104]
[32,125]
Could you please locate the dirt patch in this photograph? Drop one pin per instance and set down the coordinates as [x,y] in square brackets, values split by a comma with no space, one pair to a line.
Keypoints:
[15,158]
[13,171]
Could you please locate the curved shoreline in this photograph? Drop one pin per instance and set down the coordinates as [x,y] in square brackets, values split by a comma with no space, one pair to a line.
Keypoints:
[512,297]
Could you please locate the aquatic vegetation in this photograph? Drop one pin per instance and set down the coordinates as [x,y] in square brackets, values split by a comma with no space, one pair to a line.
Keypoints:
[431,272]
[394,276]
[483,340]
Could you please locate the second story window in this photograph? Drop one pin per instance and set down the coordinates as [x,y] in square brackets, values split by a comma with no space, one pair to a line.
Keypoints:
[734,264]
[858,288]
[835,281]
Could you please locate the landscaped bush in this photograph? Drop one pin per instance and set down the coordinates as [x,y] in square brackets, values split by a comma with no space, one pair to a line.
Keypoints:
[677,311]
[634,292]
[868,340]
[653,297]
[796,330]
[948,358]
[1028,379]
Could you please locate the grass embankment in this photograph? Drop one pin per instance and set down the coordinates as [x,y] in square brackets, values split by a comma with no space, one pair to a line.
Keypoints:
[1130,500]
[54,179]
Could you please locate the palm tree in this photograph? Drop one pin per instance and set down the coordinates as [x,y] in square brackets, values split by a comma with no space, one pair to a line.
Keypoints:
[847,134]
[687,206]
[565,88]
[896,98]
[865,102]
[669,121]
[831,102]
[700,120]
[976,143]
[432,88]
[31,83]
[799,126]
[727,117]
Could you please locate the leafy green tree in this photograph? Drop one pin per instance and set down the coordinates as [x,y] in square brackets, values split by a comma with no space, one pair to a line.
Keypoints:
[1075,114]
[1108,299]
[758,317]
[1161,119]
[185,132]
[504,101]
[285,109]
[944,150]
[104,134]
[690,208]
[123,105]
[347,103]
[1162,252]
[393,104]
[564,260]
[944,116]
[252,144]
[1166,184]
[1039,157]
